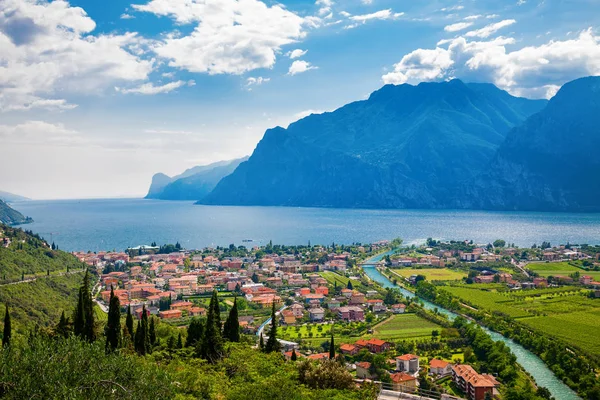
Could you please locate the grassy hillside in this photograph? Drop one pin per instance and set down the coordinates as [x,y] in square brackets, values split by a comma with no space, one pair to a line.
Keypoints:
[22,252]
[40,302]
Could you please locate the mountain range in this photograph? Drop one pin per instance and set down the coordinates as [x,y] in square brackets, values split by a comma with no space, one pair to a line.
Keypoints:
[10,216]
[11,197]
[404,147]
[193,183]
[433,145]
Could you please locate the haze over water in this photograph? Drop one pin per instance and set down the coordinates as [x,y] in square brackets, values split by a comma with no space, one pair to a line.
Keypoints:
[120,223]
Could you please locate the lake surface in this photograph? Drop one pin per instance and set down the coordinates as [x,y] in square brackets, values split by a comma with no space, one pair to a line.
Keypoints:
[529,361]
[120,223]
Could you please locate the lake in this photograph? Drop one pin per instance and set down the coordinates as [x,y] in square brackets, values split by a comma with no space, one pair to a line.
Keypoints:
[120,223]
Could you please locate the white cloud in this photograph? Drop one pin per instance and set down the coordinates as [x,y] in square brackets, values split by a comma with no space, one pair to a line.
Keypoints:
[300,66]
[39,132]
[532,71]
[150,88]
[459,26]
[230,36]
[345,14]
[324,6]
[453,8]
[489,30]
[382,14]
[297,53]
[256,81]
[126,16]
[306,113]
[472,17]
[367,2]
[47,47]
[492,16]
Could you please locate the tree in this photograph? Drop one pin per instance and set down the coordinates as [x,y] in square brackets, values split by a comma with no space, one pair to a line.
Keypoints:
[152,332]
[349,285]
[179,341]
[331,349]
[293,357]
[214,303]
[63,328]
[254,278]
[7,333]
[261,343]
[146,331]
[211,346]
[272,344]
[129,323]
[499,243]
[84,322]
[113,325]
[138,343]
[194,332]
[231,329]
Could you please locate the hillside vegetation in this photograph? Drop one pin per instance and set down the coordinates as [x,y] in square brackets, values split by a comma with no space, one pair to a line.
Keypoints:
[23,253]
[9,215]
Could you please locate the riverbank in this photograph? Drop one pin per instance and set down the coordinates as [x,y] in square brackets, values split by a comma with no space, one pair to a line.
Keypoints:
[531,363]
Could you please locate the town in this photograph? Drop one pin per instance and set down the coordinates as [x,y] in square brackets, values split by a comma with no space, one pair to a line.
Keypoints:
[321,293]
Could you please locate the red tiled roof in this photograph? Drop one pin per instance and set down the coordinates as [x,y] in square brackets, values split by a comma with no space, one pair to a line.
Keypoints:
[407,357]
[400,377]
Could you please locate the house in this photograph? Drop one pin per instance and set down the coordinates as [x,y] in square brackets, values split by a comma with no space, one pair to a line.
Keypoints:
[398,308]
[347,293]
[357,298]
[333,304]
[403,382]
[197,312]
[351,313]
[170,314]
[362,370]
[586,280]
[324,290]
[288,317]
[319,356]
[474,385]
[377,305]
[316,314]
[407,363]
[297,309]
[378,345]
[484,279]
[349,349]
[440,367]
[540,282]
[314,296]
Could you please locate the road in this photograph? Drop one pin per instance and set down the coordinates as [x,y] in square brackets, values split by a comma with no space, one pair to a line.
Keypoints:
[43,277]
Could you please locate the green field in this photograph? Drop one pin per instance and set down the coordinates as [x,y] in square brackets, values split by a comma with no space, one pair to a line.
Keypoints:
[566,313]
[304,331]
[563,268]
[404,326]
[432,274]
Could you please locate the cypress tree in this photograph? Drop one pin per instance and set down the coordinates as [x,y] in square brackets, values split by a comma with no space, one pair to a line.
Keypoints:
[272,343]
[349,285]
[231,330]
[331,348]
[78,317]
[261,343]
[194,332]
[171,342]
[83,321]
[129,323]
[152,332]
[7,333]
[113,325]
[139,340]
[211,347]
[146,331]
[294,357]
[217,309]
[179,341]
[62,328]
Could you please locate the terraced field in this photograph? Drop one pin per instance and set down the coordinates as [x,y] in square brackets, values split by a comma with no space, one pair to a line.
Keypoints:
[560,268]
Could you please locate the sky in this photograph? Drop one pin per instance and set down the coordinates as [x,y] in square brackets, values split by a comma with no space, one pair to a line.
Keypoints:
[97,96]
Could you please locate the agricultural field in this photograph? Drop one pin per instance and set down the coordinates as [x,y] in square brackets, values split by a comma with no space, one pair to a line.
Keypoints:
[566,313]
[563,268]
[342,281]
[304,331]
[432,274]
[404,326]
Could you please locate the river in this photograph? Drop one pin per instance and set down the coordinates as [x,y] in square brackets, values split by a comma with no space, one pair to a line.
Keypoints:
[529,361]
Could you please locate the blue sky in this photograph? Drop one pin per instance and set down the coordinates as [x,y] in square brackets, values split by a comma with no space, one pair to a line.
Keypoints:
[96,96]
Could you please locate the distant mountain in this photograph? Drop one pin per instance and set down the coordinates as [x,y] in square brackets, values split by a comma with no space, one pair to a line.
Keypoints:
[193,184]
[550,162]
[405,147]
[10,197]
[11,216]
